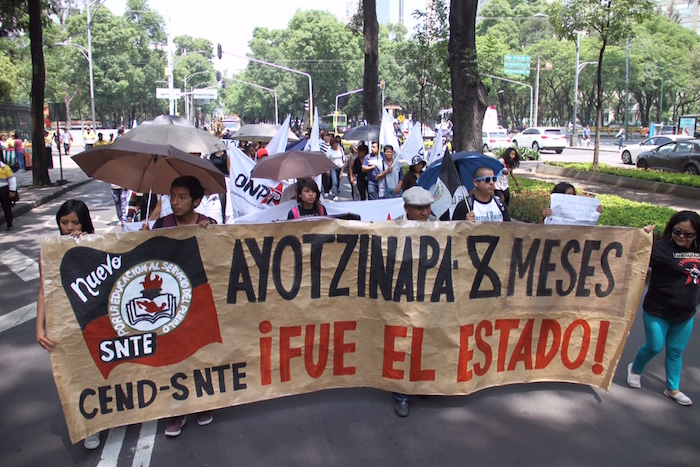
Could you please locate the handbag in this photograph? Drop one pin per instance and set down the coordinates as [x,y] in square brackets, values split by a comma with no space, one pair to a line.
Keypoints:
[15,199]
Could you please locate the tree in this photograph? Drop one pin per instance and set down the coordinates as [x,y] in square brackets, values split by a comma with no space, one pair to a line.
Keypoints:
[370,95]
[469,95]
[610,21]
[40,172]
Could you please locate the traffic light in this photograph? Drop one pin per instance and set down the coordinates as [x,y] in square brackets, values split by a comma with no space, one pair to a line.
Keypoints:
[218,76]
[306,104]
[219,52]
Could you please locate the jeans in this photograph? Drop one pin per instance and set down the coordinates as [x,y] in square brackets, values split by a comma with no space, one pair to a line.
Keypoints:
[19,153]
[335,182]
[372,191]
[390,193]
[6,204]
[120,202]
[675,335]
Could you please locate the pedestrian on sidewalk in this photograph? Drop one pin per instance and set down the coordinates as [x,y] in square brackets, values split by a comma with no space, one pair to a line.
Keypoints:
[19,151]
[671,301]
[621,135]
[8,188]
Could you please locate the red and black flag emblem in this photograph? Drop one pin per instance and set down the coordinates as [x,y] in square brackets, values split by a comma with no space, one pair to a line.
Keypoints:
[151,305]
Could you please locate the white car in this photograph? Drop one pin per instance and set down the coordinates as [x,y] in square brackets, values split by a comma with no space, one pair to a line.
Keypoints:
[495,139]
[629,153]
[542,137]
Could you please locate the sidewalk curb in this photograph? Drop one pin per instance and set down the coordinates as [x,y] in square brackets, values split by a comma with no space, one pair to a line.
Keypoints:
[622,182]
[23,207]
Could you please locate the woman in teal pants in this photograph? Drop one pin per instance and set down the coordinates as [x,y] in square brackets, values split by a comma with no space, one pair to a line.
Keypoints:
[671,301]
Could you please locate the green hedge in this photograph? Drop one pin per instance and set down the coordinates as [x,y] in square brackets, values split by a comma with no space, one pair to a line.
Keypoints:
[526,154]
[528,201]
[675,178]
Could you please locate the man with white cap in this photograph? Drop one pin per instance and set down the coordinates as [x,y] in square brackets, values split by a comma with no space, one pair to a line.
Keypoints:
[417,202]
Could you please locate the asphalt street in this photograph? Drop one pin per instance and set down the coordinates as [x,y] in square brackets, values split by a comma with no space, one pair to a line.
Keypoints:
[534,424]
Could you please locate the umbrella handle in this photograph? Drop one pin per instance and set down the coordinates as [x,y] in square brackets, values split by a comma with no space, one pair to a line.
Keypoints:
[150,191]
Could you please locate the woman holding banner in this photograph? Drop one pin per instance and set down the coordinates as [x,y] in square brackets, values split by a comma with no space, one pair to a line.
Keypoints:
[671,301]
[73,218]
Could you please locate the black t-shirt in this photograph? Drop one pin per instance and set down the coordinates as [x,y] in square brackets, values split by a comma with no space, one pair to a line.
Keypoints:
[220,162]
[674,288]
[306,212]
[357,169]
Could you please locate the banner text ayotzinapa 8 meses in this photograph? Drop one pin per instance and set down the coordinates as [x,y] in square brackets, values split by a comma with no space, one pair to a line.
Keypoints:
[153,324]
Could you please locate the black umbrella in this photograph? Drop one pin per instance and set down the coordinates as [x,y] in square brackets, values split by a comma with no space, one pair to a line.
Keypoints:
[363,133]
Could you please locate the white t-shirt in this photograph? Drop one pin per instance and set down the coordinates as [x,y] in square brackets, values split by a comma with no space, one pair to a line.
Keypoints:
[487,212]
[336,156]
[502,180]
[210,207]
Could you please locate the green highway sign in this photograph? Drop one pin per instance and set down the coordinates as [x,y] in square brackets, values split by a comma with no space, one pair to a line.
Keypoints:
[516,65]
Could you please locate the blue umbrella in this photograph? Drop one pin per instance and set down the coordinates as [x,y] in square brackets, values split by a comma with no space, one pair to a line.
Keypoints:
[466,163]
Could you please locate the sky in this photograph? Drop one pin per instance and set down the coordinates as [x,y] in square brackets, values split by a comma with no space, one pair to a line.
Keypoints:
[231,22]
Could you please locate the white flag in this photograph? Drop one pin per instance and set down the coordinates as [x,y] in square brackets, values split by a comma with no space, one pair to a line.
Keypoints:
[386,132]
[438,151]
[413,145]
[314,142]
[278,143]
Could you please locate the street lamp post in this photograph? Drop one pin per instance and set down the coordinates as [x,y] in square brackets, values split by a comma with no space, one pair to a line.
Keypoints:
[345,94]
[274,65]
[515,82]
[187,78]
[89,52]
[267,89]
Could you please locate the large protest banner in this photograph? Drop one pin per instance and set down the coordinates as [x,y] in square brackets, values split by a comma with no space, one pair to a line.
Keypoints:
[153,324]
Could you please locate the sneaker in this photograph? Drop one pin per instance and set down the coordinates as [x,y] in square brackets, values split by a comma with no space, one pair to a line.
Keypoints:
[633,380]
[335,198]
[205,418]
[92,442]
[679,397]
[175,426]
[9,227]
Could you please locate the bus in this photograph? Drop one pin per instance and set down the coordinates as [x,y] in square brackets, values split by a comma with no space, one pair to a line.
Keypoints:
[335,121]
[689,125]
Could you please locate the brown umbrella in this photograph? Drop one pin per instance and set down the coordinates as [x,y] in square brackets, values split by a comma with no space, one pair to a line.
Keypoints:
[177,132]
[147,168]
[292,164]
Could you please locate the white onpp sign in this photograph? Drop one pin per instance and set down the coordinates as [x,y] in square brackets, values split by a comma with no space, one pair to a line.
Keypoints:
[164,93]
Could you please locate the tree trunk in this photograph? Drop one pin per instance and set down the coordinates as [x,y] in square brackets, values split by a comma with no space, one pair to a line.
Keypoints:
[40,171]
[469,95]
[370,96]
[599,106]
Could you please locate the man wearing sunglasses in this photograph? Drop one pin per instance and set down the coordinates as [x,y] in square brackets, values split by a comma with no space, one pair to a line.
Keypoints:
[483,205]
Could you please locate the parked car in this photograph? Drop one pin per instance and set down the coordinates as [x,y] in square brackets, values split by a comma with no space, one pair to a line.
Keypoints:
[541,137]
[629,153]
[675,156]
[495,139]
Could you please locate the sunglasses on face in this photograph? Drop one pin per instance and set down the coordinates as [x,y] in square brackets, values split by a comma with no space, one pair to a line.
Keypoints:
[683,233]
[486,179]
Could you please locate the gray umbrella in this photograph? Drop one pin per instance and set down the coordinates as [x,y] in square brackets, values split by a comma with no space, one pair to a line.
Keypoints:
[362,133]
[261,132]
[177,132]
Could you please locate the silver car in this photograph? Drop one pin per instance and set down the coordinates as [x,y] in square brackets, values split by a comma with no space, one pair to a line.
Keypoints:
[629,153]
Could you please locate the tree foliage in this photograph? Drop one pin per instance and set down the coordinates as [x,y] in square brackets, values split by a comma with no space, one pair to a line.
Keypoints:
[610,21]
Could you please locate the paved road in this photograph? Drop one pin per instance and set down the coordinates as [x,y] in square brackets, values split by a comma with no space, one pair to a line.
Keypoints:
[535,424]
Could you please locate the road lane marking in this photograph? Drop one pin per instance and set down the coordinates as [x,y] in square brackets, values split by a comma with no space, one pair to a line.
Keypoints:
[112,447]
[17,317]
[22,265]
[145,445]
